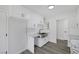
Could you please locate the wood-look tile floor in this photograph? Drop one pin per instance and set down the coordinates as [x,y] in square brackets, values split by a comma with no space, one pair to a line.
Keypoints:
[50,48]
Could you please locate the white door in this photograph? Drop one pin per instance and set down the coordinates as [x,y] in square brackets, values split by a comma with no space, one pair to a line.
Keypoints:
[3,26]
[17,39]
[62,29]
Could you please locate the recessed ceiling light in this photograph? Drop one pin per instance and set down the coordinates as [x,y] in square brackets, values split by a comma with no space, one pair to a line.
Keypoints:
[51,6]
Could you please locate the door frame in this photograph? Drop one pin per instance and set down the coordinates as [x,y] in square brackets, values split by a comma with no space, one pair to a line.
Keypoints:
[6,24]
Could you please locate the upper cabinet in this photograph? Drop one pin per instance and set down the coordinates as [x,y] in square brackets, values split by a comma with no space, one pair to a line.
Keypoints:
[4,7]
[16,11]
[77,20]
[74,23]
[78,15]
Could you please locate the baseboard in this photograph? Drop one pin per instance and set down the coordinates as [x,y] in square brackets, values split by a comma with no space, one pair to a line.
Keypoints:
[53,41]
[19,52]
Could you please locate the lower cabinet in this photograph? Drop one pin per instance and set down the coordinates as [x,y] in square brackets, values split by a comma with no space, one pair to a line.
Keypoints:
[74,45]
[40,41]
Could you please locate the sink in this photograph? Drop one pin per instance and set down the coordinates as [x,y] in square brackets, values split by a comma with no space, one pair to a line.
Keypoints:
[41,39]
[42,35]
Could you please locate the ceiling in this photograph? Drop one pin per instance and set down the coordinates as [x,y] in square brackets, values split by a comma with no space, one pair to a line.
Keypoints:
[44,11]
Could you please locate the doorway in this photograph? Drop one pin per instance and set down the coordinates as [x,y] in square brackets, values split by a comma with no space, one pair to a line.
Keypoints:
[62,29]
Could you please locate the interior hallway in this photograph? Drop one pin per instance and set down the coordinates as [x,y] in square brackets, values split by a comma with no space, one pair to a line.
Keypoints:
[52,48]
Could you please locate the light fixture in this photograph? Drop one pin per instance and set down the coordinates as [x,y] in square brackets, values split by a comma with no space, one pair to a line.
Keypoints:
[51,6]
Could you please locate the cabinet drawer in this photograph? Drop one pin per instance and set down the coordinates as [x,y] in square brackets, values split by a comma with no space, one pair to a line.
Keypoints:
[40,41]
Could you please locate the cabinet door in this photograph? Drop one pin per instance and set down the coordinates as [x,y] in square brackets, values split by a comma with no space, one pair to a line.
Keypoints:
[2,32]
[16,11]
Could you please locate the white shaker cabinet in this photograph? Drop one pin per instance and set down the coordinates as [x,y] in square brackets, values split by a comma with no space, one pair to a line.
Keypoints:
[74,44]
[16,11]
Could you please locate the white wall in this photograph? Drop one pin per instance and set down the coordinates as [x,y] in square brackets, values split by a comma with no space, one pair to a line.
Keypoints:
[52,30]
